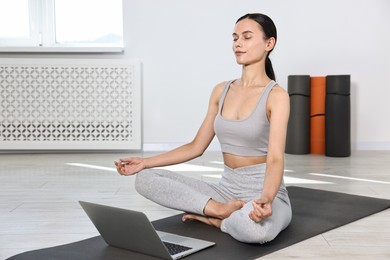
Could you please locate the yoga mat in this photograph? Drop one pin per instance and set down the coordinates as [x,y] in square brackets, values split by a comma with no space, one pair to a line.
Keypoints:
[338,116]
[314,212]
[317,114]
[298,128]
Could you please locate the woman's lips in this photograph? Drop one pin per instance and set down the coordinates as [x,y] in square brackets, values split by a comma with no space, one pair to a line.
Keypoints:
[239,53]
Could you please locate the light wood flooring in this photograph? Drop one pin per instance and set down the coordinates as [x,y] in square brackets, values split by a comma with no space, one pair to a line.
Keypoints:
[39,197]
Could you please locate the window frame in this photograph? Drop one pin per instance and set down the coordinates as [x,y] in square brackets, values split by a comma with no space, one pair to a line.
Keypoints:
[42,35]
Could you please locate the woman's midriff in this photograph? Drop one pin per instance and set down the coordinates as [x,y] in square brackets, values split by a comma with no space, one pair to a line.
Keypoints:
[235,161]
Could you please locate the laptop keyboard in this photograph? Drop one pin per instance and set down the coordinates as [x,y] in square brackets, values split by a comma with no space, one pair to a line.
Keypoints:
[174,249]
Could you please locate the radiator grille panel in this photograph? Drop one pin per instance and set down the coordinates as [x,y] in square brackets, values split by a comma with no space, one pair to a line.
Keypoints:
[70,105]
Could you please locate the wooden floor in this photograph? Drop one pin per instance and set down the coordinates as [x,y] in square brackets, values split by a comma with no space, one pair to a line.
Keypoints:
[40,192]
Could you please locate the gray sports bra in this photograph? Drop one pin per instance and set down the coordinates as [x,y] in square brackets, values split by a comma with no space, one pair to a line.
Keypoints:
[246,137]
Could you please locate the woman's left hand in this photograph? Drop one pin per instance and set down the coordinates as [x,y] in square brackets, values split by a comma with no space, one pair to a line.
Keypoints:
[261,209]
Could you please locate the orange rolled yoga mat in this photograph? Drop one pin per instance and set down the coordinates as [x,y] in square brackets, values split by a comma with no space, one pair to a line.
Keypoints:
[317,114]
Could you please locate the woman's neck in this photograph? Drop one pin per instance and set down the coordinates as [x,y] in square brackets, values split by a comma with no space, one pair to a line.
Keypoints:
[254,75]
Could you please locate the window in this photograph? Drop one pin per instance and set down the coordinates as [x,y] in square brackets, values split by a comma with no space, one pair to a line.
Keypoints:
[61,25]
[16,23]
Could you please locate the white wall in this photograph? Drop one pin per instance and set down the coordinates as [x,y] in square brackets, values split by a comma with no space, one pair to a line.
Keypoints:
[185,49]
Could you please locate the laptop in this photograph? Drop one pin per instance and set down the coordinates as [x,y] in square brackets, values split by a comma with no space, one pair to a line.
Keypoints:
[132,230]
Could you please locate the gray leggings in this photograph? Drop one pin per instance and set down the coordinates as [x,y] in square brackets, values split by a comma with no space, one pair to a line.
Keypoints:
[176,191]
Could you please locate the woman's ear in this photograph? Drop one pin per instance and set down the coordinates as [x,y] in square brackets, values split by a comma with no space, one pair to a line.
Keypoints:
[270,44]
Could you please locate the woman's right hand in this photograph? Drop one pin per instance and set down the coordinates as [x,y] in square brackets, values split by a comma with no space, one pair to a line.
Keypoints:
[130,166]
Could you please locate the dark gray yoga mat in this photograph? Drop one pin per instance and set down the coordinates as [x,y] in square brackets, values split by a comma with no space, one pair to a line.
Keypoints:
[338,116]
[298,128]
[314,212]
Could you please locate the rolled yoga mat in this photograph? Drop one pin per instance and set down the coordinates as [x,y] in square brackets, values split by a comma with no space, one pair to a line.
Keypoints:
[298,129]
[317,114]
[338,116]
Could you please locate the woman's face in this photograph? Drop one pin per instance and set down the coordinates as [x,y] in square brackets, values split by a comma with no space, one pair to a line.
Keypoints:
[249,45]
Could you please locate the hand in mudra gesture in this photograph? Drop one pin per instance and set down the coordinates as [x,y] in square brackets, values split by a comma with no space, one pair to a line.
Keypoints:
[130,166]
[261,210]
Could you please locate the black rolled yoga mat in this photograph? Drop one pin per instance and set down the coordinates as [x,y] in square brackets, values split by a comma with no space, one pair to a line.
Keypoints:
[298,129]
[338,116]
[314,212]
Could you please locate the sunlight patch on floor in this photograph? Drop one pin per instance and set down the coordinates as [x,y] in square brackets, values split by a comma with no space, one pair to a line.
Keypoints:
[348,178]
[112,169]
[217,162]
[176,168]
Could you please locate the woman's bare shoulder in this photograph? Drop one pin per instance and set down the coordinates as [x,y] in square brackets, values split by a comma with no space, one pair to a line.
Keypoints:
[278,92]
[217,90]
[278,98]
[220,86]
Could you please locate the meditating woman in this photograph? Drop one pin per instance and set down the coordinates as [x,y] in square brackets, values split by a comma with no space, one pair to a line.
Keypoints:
[249,116]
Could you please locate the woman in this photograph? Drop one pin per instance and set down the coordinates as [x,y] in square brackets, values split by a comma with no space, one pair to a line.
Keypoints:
[249,115]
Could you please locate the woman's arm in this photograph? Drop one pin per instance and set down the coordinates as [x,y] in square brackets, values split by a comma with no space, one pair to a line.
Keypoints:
[279,109]
[189,151]
[279,114]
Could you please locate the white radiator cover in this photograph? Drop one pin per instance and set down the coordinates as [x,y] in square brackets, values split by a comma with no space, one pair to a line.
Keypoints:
[70,104]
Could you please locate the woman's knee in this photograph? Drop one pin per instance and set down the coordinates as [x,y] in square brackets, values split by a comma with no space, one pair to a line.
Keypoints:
[148,179]
[252,232]
[142,179]
[243,229]
[266,233]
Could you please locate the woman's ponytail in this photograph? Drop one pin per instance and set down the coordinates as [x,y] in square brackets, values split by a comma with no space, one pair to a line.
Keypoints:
[269,69]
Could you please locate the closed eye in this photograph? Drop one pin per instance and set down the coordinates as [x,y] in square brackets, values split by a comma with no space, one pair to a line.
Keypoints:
[247,35]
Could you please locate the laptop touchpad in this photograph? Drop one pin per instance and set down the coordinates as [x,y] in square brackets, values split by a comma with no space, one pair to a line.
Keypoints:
[173,239]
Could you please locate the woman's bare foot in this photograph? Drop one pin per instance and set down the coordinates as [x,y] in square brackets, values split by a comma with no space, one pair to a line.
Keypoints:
[215,212]
[222,210]
[215,222]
